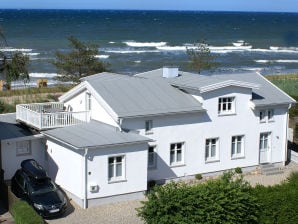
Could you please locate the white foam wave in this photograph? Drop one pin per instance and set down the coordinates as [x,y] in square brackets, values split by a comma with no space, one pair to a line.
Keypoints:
[137,62]
[8,49]
[144,44]
[31,54]
[43,75]
[277,61]
[102,56]
[131,51]
[112,42]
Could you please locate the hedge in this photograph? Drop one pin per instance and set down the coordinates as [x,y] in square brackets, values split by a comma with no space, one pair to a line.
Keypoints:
[23,213]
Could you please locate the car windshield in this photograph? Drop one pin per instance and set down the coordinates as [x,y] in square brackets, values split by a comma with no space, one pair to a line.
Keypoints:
[42,186]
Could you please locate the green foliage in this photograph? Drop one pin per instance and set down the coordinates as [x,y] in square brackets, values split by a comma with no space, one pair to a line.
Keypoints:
[6,108]
[79,62]
[238,170]
[290,86]
[198,176]
[225,200]
[23,213]
[294,109]
[279,202]
[201,57]
[151,184]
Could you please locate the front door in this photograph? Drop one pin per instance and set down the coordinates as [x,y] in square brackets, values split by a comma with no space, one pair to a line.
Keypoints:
[265,143]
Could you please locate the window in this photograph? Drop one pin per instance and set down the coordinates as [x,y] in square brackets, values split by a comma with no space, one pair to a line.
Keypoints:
[152,156]
[211,150]
[176,153]
[148,126]
[23,148]
[116,168]
[226,105]
[262,116]
[237,146]
[266,115]
[270,114]
[264,141]
[88,101]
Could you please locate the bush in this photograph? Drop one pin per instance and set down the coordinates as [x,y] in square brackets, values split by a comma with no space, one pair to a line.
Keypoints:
[225,200]
[198,176]
[151,184]
[238,170]
[279,202]
[23,213]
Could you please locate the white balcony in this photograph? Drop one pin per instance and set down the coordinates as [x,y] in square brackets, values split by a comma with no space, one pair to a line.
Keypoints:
[43,116]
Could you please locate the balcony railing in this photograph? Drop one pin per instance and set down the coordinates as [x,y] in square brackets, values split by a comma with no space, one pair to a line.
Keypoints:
[44,116]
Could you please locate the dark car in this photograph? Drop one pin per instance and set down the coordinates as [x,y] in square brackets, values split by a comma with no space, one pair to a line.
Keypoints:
[32,184]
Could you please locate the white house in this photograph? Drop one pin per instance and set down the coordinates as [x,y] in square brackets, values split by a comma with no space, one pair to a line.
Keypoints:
[158,125]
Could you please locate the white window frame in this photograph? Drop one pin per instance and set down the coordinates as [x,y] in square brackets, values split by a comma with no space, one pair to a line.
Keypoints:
[88,101]
[235,146]
[208,149]
[175,150]
[223,105]
[114,177]
[23,148]
[148,127]
[265,136]
[270,114]
[154,157]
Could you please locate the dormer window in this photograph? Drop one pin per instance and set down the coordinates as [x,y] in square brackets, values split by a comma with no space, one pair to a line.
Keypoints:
[226,105]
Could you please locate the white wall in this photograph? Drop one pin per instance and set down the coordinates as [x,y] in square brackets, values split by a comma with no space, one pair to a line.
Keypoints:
[65,167]
[135,170]
[78,103]
[11,162]
[194,129]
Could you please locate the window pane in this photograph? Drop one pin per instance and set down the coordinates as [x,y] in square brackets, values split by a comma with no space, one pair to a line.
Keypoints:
[233,148]
[265,143]
[119,159]
[179,145]
[213,151]
[111,173]
[119,170]
[238,147]
[172,156]
[111,160]
[179,156]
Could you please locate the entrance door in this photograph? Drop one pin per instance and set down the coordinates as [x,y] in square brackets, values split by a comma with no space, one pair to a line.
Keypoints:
[265,145]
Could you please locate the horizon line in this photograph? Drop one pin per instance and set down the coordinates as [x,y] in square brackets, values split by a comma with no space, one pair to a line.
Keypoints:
[173,10]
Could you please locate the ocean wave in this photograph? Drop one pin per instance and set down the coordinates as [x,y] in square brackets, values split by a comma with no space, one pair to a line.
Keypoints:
[31,54]
[139,61]
[8,49]
[112,42]
[102,56]
[277,61]
[144,44]
[43,75]
[131,51]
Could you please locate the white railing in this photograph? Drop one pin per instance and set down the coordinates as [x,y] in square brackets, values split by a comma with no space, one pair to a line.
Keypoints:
[44,116]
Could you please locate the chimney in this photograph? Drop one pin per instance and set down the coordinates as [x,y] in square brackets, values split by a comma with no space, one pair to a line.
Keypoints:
[170,72]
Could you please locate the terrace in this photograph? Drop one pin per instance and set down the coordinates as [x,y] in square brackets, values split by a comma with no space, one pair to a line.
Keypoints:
[43,116]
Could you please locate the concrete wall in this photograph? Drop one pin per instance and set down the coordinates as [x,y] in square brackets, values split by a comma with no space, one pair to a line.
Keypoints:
[12,162]
[194,129]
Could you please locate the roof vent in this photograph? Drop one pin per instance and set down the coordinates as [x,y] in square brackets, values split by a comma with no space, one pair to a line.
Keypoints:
[170,72]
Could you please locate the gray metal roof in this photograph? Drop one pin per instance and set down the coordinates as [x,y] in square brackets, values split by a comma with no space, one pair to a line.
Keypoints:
[10,129]
[267,93]
[131,96]
[94,134]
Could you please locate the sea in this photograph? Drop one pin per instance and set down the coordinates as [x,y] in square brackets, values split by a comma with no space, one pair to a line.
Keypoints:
[138,41]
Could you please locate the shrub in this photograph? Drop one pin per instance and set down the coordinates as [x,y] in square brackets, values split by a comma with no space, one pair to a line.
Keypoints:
[151,183]
[198,176]
[23,213]
[279,202]
[224,200]
[238,170]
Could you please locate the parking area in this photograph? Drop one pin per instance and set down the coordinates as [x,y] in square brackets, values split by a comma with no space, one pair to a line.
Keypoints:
[120,213]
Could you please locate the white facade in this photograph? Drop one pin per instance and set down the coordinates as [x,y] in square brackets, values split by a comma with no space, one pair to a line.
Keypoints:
[67,167]
[14,151]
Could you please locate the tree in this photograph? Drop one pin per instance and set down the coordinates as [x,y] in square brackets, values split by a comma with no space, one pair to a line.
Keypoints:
[225,200]
[79,62]
[201,57]
[13,66]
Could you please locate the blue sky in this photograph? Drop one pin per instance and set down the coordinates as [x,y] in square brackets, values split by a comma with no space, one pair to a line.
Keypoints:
[217,5]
